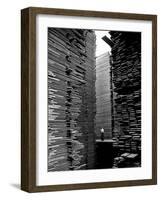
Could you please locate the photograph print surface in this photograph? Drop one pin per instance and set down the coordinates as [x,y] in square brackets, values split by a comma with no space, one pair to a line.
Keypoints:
[94,99]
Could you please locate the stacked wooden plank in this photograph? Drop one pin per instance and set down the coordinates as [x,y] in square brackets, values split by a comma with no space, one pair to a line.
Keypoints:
[126,78]
[71,99]
[103,96]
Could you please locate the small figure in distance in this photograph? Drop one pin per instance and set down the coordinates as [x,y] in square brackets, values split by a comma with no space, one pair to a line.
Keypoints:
[102,134]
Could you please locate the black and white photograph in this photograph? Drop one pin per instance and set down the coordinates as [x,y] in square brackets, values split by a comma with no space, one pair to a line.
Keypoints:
[94,99]
[89,112]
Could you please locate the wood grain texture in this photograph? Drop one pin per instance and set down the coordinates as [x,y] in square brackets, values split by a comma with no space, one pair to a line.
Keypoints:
[28,98]
[28,101]
[24,100]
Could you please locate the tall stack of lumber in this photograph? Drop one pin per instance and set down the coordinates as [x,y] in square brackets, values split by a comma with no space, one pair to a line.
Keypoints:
[103,96]
[71,99]
[126,79]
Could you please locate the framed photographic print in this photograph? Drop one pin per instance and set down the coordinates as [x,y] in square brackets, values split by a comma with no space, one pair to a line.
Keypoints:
[88,99]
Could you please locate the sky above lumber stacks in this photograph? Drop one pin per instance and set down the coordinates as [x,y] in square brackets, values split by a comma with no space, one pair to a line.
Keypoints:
[101,46]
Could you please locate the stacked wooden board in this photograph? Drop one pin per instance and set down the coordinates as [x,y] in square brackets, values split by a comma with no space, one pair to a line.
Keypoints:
[126,91]
[71,99]
[103,96]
